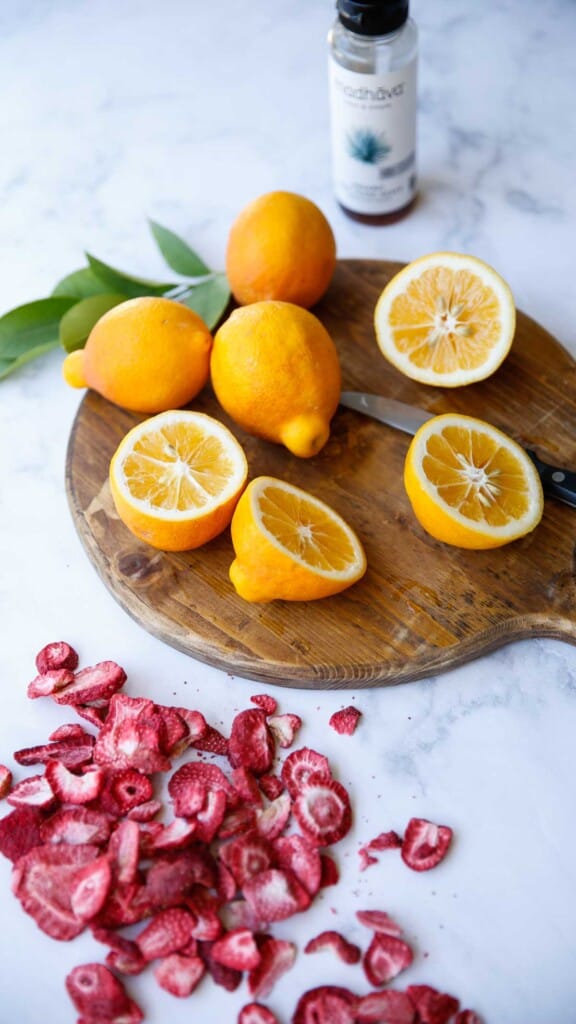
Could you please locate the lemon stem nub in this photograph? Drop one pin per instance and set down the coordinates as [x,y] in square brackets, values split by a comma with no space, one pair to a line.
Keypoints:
[73,369]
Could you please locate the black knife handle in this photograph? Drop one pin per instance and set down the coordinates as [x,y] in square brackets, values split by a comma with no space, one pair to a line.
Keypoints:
[556,483]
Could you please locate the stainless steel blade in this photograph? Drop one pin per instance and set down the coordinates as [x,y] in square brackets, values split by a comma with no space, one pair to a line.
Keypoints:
[387,410]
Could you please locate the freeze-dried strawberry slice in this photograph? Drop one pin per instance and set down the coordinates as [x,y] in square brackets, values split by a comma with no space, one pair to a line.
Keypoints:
[130,736]
[70,731]
[124,955]
[328,1004]
[204,907]
[20,832]
[124,790]
[190,783]
[268,704]
[172,875]
[272,820]
[56,655]
[237,822]
[237,949]
[175,731]
[275,894]
[43,880]
[467,1017]
[96,716]
[5,781]
[195,722]
[322,809]
[175,836]
[300,765]
[212,742]
[146,811]
[379,921]
[385,841]
[256,1013]
[179,975]
[70,752]
[330,875]
[425,844]
[124,851]
[209,819]
[251,743]
[227,977]
[94,684]
[302,858]
[47,683]
[76,826]
[271,785]
[74,789]
[226,883]
[284,728]
[385,958]
[366,859]
[245,784]
[127,904]
[247,857]
[335,943]
[90,889]
[35,791]
[96,993]
[345,721]
[391,1006]
[276,957]
[432,1006]
[239,914]
[167,932]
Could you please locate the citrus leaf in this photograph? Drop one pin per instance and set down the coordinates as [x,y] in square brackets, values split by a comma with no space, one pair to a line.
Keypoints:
[81,283]
[127,285]
[177,253]
[8,366]
[209,299]
[32,326]
[77,322]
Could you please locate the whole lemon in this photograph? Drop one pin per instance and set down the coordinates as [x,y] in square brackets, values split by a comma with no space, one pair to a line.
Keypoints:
[280,247]
[275,370]
[147,354]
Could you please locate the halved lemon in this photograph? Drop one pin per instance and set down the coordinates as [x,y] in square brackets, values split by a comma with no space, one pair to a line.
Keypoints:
[176,479]
[471,485]
[446,319]
[291,546]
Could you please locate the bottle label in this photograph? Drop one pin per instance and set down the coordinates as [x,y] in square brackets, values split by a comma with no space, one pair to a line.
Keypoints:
[373,138]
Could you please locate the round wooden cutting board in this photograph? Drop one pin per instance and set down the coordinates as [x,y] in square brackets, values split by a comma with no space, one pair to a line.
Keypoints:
[422,606]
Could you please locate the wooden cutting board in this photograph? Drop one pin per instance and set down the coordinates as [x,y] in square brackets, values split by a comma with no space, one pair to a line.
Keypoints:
[422,607]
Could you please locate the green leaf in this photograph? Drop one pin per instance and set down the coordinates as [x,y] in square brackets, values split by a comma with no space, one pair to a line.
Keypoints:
[30,330]
[81,283]
[209,299]
[177,253]
[125,284]
[77,322]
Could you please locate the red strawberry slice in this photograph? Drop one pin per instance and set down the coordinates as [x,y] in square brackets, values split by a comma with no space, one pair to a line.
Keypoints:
[96,993]
[390,1006]
[146,811]
[237,822]
[322,809]
[330,874]
[43,880]
[256,1013]
[5,781]
[237,949]
[302,858]
[20,832]
[74,789]
[70,752]
[345,721]
[35,791]
[385,958]
[335,943]
[425,844]
[246,857]
[124,790]
[189,785]
[327,1004]
[70,731]
[90,888]
[467,1017]
[268,704]
[124,851]
[239,914]
[175,731]
[96,716]
[131,736]
[175,836]
[432,1006]
[195,723]
[94,684]
[284,728]
[379,921]
[127,904]
[167,932]
[211,742]
[251,743]
[272,820]
[77,826]
[277,957]
[226,883]
[385,841]
[227,977]
[246,786]
[124,955]
[275,895]
[300,765]
[207,924]
[179,975]
[366,859]
[271,785]
[47,683]
[172,876]
[209,819]
[56,655]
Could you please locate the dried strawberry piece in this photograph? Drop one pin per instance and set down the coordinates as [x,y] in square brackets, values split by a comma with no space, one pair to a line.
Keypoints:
[5,781]
[237,822]
[284,728]
[196,724]
[179,975]
[251,743]
[211,742]
[56,655]
[330,875]
[76,826]
[173,875]
[96,716]
[268,704]
[167,932]
[385,841]
[425,844]
[239,914]
[345,721]
[247,857]
[127,904]
[70,752]
[204,906]
[237,949]
[43,880]
[124,851]
[226,883]
[96,993]
[256,1013]
[302,858]
[336,943]
[124,790]
[271,785]
[276,957]
[20,832]
[189,785]
[145,812]
[131,736]
[90,888]
[385,958]
[96,684]
[467,1017]
[74,789]
[245,784]
[124,956]
[227,977]
[432,1006]
[300,765]
[391,1006]
[210,818]
[379,921]
[275,894]
[35,791]
[175,731]
[272,820]
[70,731]
[175,836]
[322,809]
[328,1004]
[47,683]
[366,859]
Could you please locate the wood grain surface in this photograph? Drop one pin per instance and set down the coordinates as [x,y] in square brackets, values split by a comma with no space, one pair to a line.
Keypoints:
[422,607]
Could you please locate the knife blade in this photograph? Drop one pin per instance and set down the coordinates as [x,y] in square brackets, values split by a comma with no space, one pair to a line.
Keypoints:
[557,482]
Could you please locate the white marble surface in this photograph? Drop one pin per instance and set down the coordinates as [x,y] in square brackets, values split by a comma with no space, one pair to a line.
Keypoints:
[111,113]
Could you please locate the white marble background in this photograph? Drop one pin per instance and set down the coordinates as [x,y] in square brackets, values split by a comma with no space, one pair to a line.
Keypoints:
[114,112]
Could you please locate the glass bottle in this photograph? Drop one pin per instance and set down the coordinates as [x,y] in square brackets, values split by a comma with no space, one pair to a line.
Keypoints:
[373,48]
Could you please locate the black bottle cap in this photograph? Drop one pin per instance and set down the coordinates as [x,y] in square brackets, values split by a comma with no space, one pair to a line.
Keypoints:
[372,17]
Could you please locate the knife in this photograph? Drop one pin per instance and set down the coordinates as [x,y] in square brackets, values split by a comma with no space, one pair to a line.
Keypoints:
[556,482]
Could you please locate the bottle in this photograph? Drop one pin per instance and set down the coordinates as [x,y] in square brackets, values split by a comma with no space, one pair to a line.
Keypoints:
[373,49]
